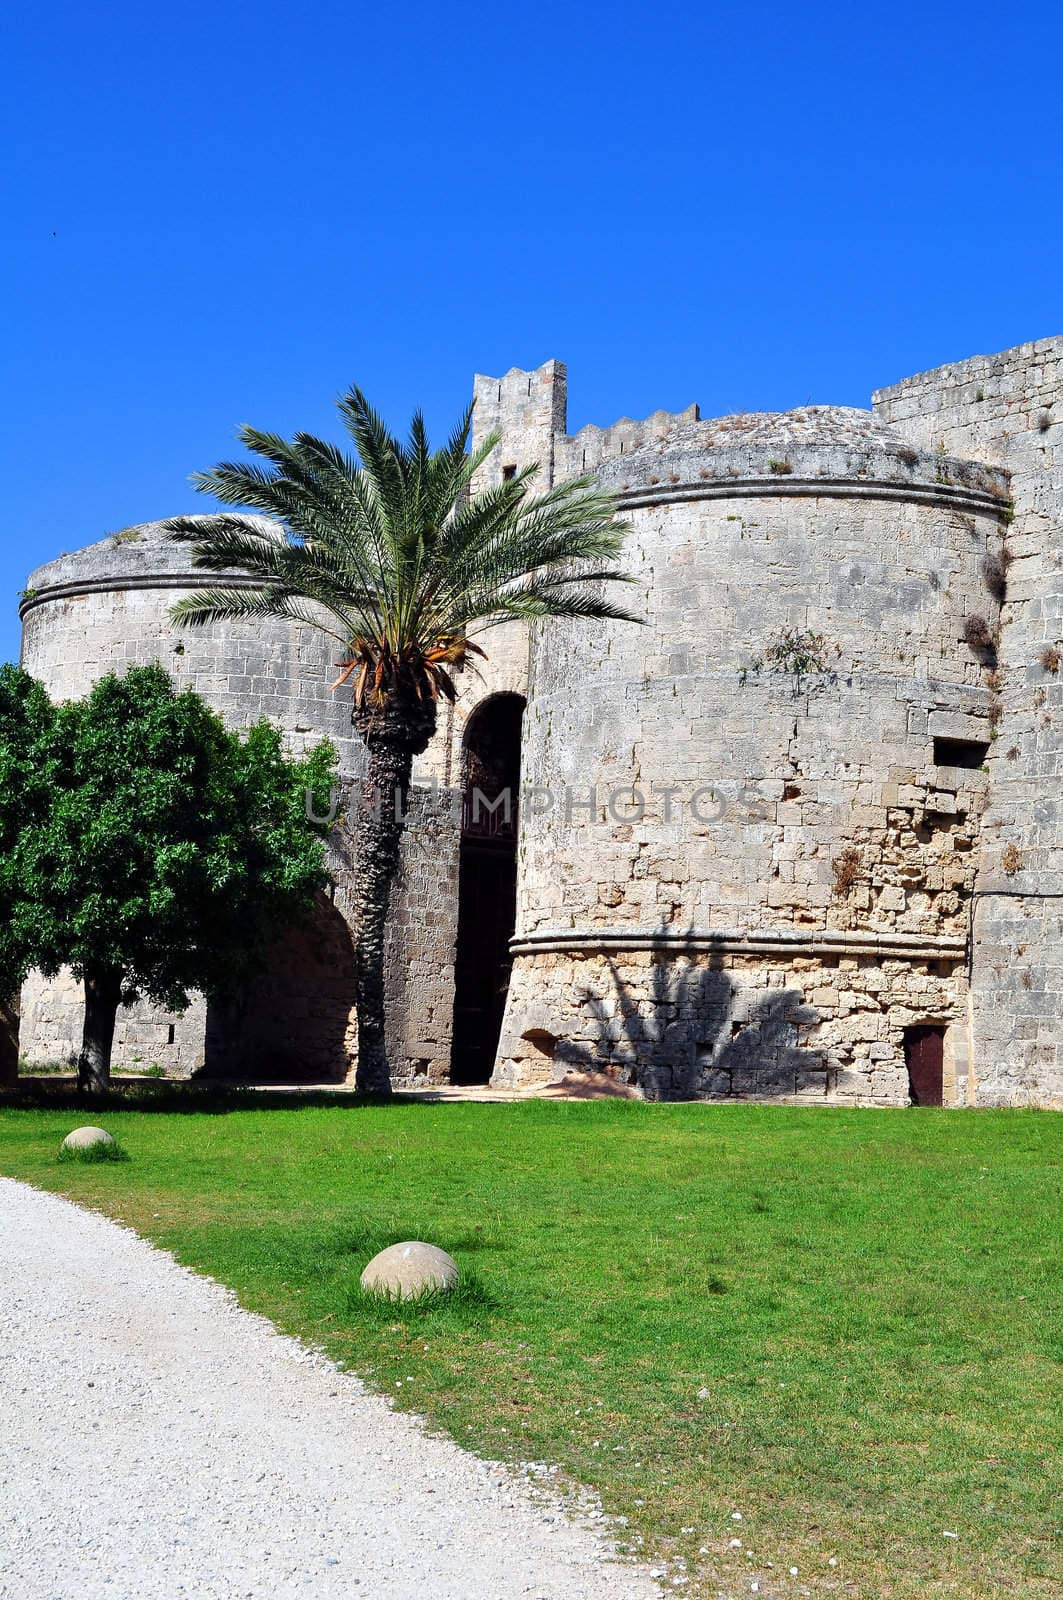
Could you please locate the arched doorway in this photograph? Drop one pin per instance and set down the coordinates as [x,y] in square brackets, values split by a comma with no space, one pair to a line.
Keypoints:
[487,883]
[294,1022]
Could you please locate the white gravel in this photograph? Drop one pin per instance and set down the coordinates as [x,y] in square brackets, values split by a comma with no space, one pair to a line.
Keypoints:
[157,1442]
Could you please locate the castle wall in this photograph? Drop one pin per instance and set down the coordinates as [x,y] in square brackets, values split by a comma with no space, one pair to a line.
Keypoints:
[794,883]
[711,952]
[145,1035]
[296,1019]
[1008,409]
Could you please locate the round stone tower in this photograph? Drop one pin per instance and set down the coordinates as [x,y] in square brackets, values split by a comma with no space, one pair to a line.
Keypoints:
[748,825]
[107,607]
[103,609]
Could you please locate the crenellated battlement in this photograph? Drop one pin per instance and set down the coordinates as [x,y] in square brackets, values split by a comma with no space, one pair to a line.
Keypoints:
[529,408]
[592,446]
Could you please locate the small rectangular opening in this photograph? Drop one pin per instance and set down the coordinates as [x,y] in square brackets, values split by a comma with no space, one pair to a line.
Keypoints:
[969,753]
[509,472]
[924,1056]
[170,1034]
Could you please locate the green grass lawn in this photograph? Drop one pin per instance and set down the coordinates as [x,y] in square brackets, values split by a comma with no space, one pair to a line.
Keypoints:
[843,1324]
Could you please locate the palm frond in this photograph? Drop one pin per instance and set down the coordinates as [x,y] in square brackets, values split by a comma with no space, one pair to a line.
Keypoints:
[550,595]
[249,605]
[395,552]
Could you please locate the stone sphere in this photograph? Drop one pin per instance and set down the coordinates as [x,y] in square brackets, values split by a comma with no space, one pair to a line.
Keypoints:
[81,1138]
[409,1269]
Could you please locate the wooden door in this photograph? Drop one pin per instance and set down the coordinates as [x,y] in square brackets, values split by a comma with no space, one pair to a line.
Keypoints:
[924,1054]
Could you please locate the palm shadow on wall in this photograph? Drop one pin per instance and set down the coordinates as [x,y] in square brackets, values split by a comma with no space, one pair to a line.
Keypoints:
[700,1036]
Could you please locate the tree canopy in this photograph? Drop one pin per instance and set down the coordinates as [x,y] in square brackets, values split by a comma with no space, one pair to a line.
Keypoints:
[27,719]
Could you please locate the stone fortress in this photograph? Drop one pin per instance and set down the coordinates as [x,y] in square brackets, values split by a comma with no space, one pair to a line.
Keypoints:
[799,835]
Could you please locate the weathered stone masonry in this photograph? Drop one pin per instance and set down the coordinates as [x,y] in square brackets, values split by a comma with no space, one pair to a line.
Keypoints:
[1007,410]
[734,879]
[711,953]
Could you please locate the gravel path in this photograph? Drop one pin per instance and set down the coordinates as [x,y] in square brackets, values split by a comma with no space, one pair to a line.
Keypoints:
[158,1442]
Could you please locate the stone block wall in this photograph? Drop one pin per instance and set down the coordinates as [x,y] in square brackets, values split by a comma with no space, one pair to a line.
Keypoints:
[528,410]
[144,1036]
[422,929]
[1007,409]
[106,608]
[296,1020]
[697,1022]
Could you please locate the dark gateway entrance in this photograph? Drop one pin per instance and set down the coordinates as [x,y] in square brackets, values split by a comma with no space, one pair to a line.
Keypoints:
[487,884]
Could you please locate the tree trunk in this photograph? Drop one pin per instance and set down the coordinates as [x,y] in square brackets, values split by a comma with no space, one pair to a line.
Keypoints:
[378,843]
[103,992]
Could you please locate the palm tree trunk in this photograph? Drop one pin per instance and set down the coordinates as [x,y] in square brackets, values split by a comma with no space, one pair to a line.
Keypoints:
[377,851]
[103,992]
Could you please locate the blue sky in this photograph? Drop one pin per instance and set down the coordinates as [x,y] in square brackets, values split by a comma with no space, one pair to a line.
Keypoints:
[225,213]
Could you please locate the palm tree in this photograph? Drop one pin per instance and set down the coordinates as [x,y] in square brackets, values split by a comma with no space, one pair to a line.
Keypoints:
[395,556]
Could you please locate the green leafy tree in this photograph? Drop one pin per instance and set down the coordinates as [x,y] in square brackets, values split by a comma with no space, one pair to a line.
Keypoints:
[164,852]
[394,555]
[26,718]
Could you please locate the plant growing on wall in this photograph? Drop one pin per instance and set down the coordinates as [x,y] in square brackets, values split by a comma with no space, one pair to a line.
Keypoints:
[995,573]
[395,556]
[794,652]
[845,869]
[978,637]
[145,846]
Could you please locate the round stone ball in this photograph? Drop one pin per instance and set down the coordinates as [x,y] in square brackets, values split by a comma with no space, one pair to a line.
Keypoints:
[81,1138]
[409,1269]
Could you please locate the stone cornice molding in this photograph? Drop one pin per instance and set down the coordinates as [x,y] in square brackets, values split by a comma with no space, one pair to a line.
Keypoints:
[953,496]
[780,942]
[76,587]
